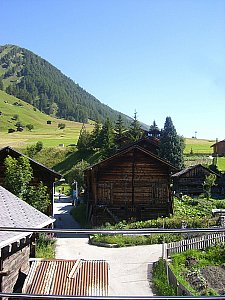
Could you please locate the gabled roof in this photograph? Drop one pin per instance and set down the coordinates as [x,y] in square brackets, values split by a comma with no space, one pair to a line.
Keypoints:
[134,146]
[14,153]
[15,212]
[186,170]
[68,277]
[223,141]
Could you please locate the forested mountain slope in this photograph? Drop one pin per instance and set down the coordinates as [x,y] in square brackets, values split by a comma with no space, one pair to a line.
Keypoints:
[34,80]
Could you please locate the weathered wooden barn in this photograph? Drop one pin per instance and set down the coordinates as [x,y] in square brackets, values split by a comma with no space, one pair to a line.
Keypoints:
[16,248]
[219,148]
[133,183]
[40,172]
[190,180]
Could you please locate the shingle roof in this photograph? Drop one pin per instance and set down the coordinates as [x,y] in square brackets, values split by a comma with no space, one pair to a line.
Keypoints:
[15,212]
[68,277]
[184,171]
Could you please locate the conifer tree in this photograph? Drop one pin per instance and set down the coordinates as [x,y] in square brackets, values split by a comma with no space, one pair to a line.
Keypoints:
[96,136]
[154,130]
[135,132]
[119,131]
[84,141]
[107,138]
[171,145]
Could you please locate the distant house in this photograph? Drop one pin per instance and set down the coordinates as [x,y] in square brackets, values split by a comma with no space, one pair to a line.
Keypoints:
[40,172]
[133,183]
[67,277]
[190,180]
[219,148]
[17,247]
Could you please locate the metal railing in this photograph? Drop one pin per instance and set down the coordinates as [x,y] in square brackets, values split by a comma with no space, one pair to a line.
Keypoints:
[30,296]
[145,231]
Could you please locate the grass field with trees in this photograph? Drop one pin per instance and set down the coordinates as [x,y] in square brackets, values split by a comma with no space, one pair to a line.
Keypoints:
[13,110]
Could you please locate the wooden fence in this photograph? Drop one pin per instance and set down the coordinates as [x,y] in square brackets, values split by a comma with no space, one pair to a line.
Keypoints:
[201,242]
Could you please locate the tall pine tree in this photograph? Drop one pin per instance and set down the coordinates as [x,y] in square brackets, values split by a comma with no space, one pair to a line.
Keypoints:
[154,130]
[84,141]
[171,145]
[96,136]
[135,132]
[107,138]
[119,131]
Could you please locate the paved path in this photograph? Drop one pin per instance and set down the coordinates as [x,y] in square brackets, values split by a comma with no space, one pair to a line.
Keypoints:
[130,268]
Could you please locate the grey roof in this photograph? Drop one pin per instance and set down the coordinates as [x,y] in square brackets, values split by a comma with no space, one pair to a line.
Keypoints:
[184,171]
[15,212]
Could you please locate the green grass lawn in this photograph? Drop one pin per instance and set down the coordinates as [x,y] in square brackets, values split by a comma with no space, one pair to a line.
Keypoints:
[221,163]
[198,146]
[50,134]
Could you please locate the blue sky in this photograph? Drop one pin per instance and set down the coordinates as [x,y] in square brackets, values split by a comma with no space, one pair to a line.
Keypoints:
[158,57]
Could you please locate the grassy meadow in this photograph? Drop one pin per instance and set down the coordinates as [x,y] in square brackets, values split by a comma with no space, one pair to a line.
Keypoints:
[49,134]
[198,146]
[196,150]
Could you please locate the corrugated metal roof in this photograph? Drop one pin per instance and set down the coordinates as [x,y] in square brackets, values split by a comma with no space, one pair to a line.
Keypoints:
[15,212]
[68,277]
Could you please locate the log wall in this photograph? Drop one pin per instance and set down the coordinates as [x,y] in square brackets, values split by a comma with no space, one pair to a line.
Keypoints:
[134,185]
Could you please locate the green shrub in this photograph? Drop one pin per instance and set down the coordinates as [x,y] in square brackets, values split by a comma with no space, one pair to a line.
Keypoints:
[45,246]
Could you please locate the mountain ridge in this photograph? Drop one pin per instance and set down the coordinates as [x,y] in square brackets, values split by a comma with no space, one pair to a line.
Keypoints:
[33,79]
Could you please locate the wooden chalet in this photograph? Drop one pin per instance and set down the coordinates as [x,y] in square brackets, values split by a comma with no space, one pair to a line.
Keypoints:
[133,183]
[219,148]
[40,172]
[190,180]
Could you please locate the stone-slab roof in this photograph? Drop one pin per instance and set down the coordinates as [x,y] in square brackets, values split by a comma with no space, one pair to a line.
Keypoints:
[15,212]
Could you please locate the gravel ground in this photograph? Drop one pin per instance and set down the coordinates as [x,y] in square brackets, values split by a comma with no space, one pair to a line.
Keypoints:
[215,276]
[130,268]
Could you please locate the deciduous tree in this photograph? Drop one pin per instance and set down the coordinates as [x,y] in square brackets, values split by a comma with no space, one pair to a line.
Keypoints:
[18,176]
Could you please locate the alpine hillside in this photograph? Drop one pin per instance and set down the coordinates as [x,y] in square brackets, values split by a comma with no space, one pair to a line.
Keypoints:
[34,80]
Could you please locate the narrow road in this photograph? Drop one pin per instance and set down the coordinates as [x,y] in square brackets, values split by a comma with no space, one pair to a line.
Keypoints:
[130,267]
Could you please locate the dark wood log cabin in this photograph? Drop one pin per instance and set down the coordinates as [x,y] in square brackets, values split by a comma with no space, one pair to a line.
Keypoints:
[134,183]
[40,173]
[190,180]
[219,148]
